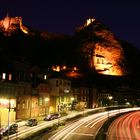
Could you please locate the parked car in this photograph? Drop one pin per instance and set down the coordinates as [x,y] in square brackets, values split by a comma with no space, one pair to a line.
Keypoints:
[11,130]
[31,122]
[52,117]
[14,126]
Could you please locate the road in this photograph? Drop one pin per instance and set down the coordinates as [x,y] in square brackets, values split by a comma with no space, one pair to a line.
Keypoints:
[85,128]
[126,127]
[81,129]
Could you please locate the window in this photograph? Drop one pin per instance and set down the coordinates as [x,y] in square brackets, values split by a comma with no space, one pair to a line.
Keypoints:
[28,104]
[23,105]
[102,61]
[60,82]
[18,105]
[3,76]
[98,60]
[56,83]
[68,83]
[40,102]
[10,77]
[45,77]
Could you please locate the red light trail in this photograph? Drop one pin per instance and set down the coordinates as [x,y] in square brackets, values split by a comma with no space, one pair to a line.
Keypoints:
[126,127]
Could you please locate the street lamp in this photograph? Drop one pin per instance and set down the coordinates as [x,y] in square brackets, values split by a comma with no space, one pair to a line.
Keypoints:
[9,107]
[46,105]
[110,98]
[72,99]
[59,109]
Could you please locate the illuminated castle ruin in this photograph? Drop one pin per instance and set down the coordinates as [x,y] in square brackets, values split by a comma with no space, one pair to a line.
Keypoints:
[89,21]
[11,24]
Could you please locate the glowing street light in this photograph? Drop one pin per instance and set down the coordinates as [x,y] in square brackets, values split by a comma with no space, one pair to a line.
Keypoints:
[110,97]
[72,99]
[47,99]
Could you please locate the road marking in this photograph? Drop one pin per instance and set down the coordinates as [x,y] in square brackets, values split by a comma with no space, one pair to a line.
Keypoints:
[98,121]
[90,123]
[83,134]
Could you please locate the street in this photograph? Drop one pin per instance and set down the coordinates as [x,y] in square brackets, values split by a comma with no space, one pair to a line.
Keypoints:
[126,127]
[85,128]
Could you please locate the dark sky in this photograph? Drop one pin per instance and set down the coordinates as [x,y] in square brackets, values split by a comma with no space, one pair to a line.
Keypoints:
[62,16]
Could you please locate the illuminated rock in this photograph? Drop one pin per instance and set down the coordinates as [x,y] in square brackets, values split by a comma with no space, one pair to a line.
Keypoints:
[110,60]
[10,24]
[102,49]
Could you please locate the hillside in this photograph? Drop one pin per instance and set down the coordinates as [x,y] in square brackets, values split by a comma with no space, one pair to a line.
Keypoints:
[92,49]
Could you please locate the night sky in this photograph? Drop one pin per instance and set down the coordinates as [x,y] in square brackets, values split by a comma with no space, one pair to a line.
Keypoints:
[62,16]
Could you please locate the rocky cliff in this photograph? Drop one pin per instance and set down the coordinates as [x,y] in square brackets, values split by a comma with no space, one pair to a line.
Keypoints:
[101,48]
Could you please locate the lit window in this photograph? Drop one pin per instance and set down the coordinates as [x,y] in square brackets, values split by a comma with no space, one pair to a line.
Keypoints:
[18,105]
[23,105]
[98,60]
[64,67]
[102,61]
[75,68]
[45,77]
[4,76]
[12,103]
[10,77]
[58,68]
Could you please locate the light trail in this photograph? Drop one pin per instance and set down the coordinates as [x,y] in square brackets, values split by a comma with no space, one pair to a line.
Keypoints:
[126,127]
[87,121]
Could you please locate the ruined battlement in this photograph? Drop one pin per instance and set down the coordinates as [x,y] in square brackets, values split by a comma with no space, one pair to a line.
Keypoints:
[11,24]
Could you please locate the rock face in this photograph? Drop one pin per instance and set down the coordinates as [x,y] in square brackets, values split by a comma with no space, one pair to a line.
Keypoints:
[101,49]
[112,56]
